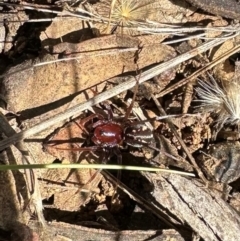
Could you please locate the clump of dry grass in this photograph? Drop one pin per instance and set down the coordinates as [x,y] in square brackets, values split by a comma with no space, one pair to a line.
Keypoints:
[224,102]
[126,13]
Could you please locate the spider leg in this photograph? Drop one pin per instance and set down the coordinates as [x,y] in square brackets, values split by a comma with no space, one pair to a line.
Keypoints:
[106,105]
[106,156]
[104,161]
[91,117]
[109,110]
[139,144]
[118,153]
[129,109]
[88,184]
[90,148]
[162,152]
[81,126]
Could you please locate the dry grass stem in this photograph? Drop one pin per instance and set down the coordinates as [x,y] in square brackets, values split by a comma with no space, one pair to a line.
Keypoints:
[126,13]
[152,27]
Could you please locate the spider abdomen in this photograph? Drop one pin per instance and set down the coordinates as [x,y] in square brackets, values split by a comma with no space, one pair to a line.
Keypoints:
[137,135]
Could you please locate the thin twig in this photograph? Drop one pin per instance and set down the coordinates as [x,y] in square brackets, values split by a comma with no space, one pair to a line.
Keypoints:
[152,27]
[78,56]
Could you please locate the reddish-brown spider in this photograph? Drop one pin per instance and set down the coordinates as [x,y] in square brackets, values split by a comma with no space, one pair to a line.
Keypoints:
[109,133]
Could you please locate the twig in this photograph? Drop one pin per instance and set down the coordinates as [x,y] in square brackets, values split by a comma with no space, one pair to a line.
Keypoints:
[155,27]
[9,131]
[78,56]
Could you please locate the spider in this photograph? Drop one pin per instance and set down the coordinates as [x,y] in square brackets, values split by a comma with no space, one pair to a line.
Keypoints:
[108,133]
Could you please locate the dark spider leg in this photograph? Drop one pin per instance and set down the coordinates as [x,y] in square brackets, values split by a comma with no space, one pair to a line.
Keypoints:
[106,105]
[162,152]
[85,186]
[81,127]
[118,153]
[90,148]
[129,109]
[134,142]
[109,110]
[104,161]
[93,148]
[163,118]
[91,117]
[106,157]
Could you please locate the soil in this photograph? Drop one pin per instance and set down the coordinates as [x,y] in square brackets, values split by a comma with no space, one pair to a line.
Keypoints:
[69,57]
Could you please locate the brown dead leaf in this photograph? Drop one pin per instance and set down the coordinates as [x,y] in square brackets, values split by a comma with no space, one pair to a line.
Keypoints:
[193,203]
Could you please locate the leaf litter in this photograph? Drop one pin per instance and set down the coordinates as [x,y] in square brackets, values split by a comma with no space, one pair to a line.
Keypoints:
[100,59]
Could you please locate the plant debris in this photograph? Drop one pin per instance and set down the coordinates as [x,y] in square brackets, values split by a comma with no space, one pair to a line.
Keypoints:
[60,62]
